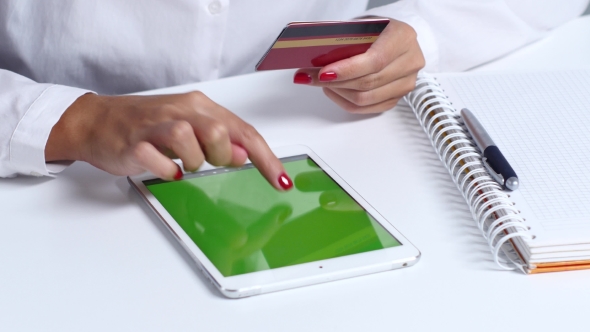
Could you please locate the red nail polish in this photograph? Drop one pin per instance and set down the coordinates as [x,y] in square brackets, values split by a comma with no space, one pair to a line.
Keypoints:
[179,174]
[302,78]
[328,76]
[285,182]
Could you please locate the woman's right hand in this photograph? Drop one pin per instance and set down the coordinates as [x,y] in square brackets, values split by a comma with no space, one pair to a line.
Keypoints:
[128,135]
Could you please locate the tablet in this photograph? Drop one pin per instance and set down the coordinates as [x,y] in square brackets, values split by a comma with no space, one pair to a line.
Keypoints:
[248,238]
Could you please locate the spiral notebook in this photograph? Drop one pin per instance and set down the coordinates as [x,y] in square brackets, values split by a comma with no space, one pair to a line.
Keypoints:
[541,123]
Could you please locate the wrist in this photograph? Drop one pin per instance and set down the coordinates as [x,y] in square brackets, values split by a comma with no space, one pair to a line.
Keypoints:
[69,137]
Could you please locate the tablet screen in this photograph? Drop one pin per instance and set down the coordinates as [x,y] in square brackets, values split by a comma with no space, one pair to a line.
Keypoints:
[244,225]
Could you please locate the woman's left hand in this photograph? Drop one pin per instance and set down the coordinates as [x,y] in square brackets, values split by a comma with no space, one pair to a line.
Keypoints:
[376,80]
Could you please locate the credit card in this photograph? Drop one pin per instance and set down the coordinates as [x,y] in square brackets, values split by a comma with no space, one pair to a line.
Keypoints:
[316,44]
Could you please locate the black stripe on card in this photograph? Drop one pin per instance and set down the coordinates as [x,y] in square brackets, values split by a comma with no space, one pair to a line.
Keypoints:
[340,28]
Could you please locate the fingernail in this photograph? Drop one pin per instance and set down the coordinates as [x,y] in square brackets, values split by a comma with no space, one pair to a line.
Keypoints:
[285,182]
[179,174]
[302,78]
[328,76]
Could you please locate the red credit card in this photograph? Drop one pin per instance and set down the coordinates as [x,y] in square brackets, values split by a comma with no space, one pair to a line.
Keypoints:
[316,44]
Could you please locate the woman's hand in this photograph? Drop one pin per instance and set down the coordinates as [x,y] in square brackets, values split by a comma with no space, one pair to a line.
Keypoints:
[128,135]
[375,80]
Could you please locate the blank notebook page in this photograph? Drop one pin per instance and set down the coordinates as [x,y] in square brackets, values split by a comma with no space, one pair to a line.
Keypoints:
[541,123]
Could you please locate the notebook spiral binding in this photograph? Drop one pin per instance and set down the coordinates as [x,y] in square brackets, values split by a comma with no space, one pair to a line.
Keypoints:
[496,216]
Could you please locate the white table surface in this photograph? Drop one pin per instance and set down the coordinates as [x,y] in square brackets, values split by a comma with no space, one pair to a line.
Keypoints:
[81,253]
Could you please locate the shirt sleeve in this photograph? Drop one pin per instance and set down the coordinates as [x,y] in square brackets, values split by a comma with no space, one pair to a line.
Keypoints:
[456,35]
[28,112]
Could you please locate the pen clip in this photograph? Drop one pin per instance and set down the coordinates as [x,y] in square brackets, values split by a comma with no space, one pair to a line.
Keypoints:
[496,176]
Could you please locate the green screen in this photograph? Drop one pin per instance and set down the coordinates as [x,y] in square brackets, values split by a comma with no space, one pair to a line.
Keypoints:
[244,225]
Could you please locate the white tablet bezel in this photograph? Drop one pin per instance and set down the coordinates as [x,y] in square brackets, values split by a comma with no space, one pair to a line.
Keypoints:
[297,275]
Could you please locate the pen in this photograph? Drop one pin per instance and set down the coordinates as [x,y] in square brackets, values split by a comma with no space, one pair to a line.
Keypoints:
[493,160]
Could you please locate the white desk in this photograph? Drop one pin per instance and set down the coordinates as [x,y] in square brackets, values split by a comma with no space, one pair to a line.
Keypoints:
[80,253]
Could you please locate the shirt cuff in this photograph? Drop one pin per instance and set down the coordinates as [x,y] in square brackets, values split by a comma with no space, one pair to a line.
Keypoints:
[54,167]
[27,145]
[407,12]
